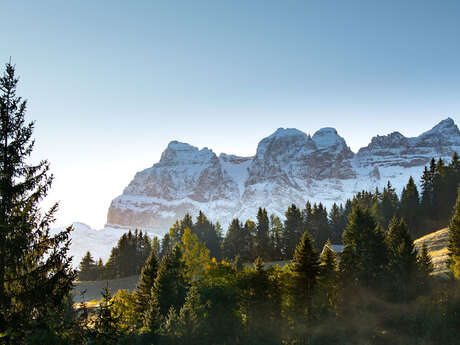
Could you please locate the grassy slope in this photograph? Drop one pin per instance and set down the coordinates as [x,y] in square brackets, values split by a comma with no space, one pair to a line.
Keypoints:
[92,289]
[436,243]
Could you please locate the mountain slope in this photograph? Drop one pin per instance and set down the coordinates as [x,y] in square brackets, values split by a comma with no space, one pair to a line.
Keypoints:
[289,166]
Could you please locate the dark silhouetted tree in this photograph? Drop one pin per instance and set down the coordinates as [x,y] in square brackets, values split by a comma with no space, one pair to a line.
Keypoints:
[35,272]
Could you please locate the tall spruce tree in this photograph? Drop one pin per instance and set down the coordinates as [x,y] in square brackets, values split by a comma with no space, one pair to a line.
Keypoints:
[145,283]
[364,259]
[454,239]
[262,240]
[337,223]
[306,269]
[206,232]
[35,272]
[402,260]
[168,291]
[233,241]
[87,269]
[276,239]
[329,277]
[386,206]
[106,323]
[294,227]
[410,207]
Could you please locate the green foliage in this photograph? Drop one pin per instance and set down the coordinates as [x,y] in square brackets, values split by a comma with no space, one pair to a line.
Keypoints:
[329,280]
[365,257]
[107,323]
[260,305]
[169,289]
[410,206]
[88,269]
[209,234]
[317,224]
[276,238]
[238,241]
[454,239]
[306,270]
[125,305]
[262,246]
[386,206]
[402,260]
[146,282]
[35,272]
[128,257]
[294,227]
[195,255]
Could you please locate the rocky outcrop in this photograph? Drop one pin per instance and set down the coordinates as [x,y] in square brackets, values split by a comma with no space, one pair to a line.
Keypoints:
[289,166]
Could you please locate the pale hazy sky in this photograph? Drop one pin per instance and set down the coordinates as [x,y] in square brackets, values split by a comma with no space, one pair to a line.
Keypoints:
[110,83]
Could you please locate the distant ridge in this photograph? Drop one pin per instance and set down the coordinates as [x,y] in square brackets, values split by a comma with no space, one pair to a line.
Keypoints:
[289,166]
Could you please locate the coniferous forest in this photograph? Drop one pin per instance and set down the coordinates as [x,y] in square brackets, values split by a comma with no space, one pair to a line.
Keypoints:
[199,286]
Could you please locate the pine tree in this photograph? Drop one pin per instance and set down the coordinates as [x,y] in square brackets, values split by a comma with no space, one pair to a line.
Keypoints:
[156,246]
[247,245]
[337,223]
[276,240]
[293,230]
[31,284]
[425,268]
[454,239]
[195,255]
[233,240]
[365,257]
[165,246]
[329,276]
[305,266]
[145,283]
[402,260]
[410,207]
[262,240]
[168,291]
[319,225]
[386,206]
[87,267]
[427,182]
[206,233]
[259,303]
[191,320]
[99,269]
[106,324]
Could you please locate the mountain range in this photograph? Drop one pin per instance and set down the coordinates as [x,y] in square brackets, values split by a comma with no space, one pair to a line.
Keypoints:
[289,166]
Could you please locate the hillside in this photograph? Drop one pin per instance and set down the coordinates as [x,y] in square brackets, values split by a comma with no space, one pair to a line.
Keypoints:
[436,243]
[90,290]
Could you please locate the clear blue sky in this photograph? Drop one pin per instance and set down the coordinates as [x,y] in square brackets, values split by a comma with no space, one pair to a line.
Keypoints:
[110,83]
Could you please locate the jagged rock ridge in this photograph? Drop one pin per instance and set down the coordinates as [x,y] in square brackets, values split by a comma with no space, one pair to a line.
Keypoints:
[289,167]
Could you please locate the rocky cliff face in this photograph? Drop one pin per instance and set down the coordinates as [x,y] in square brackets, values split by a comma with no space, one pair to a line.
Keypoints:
[289,167]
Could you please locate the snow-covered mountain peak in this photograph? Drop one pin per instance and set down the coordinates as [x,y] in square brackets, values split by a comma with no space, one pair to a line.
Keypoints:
[391,140]
[443,126]
[286,132]
[178,153]
[444,133]
[328,137]
[284,142]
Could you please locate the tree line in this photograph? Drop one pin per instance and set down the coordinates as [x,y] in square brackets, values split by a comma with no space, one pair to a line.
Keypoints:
[126,259]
